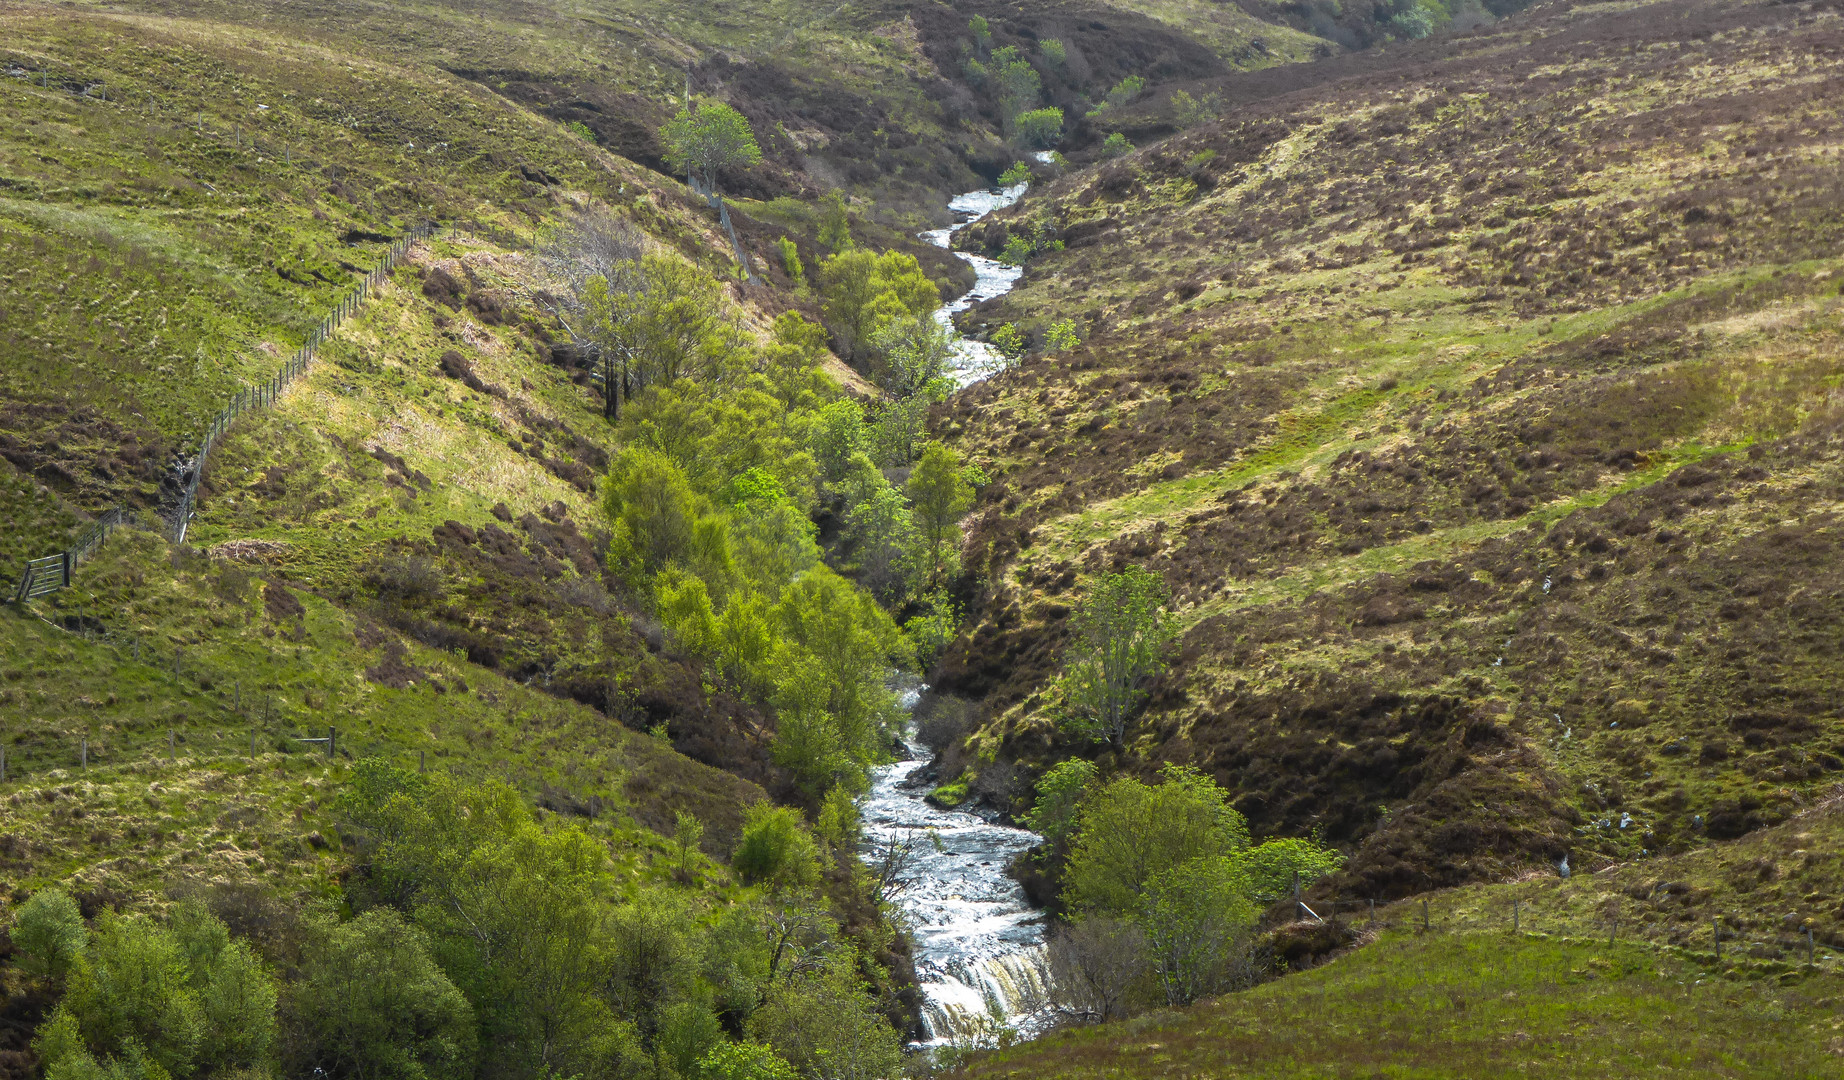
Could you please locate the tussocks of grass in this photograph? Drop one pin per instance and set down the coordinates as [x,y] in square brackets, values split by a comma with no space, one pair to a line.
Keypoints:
[1463,1006]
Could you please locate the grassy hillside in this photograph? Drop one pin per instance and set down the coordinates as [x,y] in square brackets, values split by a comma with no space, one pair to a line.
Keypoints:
[1478,407]
[1521,979]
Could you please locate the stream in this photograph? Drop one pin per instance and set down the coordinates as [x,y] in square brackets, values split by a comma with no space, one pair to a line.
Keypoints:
[979,943]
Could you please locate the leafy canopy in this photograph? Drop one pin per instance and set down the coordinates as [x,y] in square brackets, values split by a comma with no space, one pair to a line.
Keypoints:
[709,139]
[1121,630]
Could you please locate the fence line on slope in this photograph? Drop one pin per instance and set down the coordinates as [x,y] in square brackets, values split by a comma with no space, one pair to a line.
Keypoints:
[50,573]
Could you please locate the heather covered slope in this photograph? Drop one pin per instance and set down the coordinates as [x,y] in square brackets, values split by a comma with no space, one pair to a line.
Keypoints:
[1476,401]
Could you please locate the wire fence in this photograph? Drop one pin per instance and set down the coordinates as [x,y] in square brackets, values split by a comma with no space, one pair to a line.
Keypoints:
[50,573]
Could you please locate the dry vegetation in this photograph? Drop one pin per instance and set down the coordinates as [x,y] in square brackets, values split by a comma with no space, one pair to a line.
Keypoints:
[1477,401]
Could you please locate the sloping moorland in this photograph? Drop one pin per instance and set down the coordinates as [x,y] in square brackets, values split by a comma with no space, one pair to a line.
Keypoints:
[1475,397]
[1480,404]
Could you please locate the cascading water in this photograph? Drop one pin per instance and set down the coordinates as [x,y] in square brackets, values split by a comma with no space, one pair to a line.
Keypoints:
[979,944]
[974,360]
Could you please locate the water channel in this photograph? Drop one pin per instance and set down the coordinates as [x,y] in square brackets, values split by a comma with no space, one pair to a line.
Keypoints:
[979,943]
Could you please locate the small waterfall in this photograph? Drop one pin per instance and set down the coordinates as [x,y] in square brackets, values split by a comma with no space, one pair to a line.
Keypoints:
[965,1005]
[980,960]
[979,945]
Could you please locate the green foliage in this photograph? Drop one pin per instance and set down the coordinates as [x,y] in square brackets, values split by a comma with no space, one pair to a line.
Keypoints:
[1115,145]
[790,259]
[1019,173]
[663,319]
[1121,632]
[1270,866]
[1062,335]
[1040,129]
[1200,159]
[49,930]
[654,510]
[864,289]
[881,530]
[581,130]
[941,496]
[687,833]
[824,1024]
[838,434]
[166,1001]
[1193,916]
[1028,240]
[135,984]
[1060,792]
[1016,83]
[1125,91]
[516,914]
[837,822]
[689,1032]
[1131,831]
[901,427]
[1054,51]
[1191,111]
[1414,23]
[932,631]
[982,32]
[776,850]
[236,994]
[709,139]
[371,1002]
[1009,341]
[912,352]
[835,223]
[744,1060]
[834,648]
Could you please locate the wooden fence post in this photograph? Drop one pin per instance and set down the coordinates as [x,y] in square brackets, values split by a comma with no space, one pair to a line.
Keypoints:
[1613,927]
[170,743]
[1811,946]
[332,740]
[1716,931]
[1424,916]
[422,761]
[83,754]
[1515,921]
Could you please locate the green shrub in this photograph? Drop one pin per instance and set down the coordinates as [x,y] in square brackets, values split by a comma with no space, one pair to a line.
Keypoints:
[790,258]
[1125,91]
[1019,173]
[1131,831]
[1062,335]
[1054,51]
[135,983]
[1040,129]
[1009,341]
[1115,145]
[1060,792]
[49,930]
[744,1061]
[688,1033]
[776,849]
[370,1002]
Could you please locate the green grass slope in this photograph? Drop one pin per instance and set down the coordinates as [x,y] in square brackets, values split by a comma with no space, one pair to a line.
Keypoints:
[1520,979]
[1477,403]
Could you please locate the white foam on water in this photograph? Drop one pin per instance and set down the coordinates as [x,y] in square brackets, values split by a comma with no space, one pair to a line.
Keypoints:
[978,941]
[974,360]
